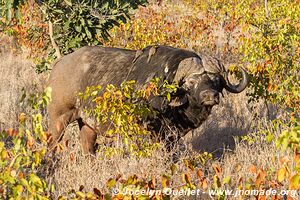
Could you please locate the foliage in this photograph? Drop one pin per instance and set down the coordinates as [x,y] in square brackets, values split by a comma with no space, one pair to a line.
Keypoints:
[20,162]
[123,111]
[273,51]
[264,38]
[289,139]
[85,22]
[9,10]
[157,25]
[51,28]
[22,151]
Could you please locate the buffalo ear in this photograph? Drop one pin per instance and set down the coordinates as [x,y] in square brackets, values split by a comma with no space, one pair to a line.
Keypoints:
[178,101]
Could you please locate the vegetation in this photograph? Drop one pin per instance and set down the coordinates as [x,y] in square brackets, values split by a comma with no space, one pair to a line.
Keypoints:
[22,153]
[122,110]
[56,28]
[262,36]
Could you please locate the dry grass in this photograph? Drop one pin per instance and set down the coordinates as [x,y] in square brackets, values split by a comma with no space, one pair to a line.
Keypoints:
[234,117]
[17,73]
[74,169]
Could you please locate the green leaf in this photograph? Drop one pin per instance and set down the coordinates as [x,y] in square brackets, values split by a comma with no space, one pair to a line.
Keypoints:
[58,11]
[168,97]
[8,10]
[8,178]
[269,137]
[78,28]
[1,146]
[88,33]
[17,145]
[17,190]
[25,183]
[35,180]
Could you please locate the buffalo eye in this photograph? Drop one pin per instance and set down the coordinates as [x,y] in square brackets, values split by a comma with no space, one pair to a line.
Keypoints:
[191,82]
[217,80]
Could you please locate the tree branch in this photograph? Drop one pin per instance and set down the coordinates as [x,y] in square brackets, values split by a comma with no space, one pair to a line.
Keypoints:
[266,9]
[55,46]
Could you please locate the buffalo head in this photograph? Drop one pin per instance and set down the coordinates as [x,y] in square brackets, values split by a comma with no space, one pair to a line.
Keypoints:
[201,79]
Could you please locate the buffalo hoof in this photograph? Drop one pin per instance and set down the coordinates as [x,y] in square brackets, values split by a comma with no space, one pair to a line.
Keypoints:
[88,138]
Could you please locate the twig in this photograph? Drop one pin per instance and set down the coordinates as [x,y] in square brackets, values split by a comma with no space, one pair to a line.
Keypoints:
[266,9]
[14,160]
[55,46]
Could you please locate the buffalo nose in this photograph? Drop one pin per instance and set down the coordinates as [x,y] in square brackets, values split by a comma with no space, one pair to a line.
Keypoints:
[209,97]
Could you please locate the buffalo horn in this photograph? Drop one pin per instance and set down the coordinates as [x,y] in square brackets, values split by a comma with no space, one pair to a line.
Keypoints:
[239,87]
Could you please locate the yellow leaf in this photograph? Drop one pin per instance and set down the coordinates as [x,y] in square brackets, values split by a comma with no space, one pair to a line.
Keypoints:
[106,95]
[80,194]
[22,117]
[281,174]
[217,182]
[4,154]
[295,182]
[111,183]
[226,180]
[118,121]
[165,181]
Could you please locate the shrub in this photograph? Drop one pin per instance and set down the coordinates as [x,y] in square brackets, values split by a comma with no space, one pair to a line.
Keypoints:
[22,152]
[54,28]
[124,110]
[264,38]
[271,46]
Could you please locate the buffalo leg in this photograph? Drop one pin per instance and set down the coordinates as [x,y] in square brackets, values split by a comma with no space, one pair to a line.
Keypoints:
[58,125]
[88,137]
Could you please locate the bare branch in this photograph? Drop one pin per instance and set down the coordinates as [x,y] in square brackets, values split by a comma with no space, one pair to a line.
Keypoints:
[55,46]
[266,8]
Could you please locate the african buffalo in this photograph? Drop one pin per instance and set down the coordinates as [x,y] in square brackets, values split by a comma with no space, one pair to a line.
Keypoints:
[201,79]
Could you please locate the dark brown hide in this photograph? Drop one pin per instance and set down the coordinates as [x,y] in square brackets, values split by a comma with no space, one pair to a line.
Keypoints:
[101,66]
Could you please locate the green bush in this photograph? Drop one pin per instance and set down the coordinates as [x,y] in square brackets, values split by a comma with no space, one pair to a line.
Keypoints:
[83,22]
[53,28]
